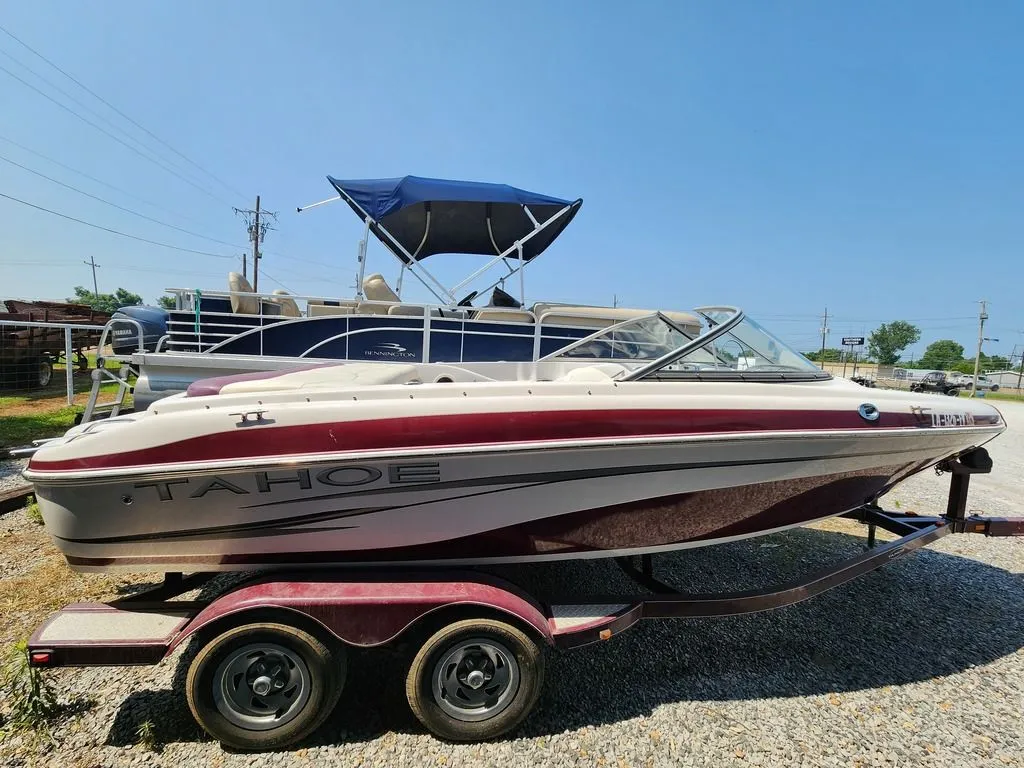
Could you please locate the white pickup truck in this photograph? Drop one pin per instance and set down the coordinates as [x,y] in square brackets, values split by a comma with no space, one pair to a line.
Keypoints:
[966,381]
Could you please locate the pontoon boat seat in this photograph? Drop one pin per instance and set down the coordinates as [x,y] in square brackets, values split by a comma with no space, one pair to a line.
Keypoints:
[324,307]
[376,288]
[323,310]
[413,310]
[288,306]
[242,305]
[503,315]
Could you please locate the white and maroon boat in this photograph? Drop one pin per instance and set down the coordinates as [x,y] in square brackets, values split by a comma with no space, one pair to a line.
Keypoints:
[672,440]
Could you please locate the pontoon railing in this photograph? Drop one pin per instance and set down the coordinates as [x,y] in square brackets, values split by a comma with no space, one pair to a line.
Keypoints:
[206,330]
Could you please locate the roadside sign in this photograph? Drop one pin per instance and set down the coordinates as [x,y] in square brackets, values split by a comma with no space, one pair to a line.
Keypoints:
[853,341]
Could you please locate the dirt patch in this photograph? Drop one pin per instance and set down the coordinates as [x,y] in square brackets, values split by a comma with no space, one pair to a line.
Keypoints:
[37,580]
[32,407]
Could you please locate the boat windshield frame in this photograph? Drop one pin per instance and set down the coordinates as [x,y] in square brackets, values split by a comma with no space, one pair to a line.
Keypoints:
[655,369]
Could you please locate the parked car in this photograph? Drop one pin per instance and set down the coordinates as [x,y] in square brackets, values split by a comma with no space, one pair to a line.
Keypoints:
[985,384]
[936,381]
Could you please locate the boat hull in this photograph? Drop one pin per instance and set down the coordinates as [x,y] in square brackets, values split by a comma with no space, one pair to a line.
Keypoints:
[599,499]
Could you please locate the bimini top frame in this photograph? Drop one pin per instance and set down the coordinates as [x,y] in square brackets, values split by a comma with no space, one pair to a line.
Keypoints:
[416,217]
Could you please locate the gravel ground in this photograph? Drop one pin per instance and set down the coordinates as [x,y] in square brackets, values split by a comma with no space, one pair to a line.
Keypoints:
[921,663]
[10,473]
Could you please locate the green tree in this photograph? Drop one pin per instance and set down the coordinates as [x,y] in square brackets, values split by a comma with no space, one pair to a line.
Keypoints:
[887,341]
[995,363]
[832,355]
[942,355]
[167,302]
[105,302]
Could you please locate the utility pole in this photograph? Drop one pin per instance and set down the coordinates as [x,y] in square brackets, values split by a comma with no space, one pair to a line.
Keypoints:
[1020,373]
[982,317]
[824,333]
[256,249]
[257,222]
[245,263]
[92,263]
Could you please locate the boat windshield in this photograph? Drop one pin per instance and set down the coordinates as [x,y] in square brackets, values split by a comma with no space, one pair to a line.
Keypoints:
[728,345]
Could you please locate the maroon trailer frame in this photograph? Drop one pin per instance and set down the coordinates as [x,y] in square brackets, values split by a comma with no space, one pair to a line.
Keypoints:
[375,607]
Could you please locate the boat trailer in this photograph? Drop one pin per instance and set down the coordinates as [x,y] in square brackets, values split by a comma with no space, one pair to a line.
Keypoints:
[270,664]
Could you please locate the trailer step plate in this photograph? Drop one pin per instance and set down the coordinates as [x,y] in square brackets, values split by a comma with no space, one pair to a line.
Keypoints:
[569,618]
[97,634]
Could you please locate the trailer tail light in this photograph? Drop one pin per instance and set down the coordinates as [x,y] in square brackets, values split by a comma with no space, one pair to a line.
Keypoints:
[40,658]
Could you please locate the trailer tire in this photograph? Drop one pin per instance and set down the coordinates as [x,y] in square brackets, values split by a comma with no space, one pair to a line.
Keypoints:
[33,372]
[954,392]
[44,372]
[509,670]
[225,678]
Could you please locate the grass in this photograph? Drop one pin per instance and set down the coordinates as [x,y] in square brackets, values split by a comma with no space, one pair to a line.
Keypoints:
[41,413]
[22,428]
[146,735]
[30,701]
[998,396]
[32,511]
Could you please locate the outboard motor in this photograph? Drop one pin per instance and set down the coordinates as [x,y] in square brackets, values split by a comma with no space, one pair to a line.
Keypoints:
[125,335]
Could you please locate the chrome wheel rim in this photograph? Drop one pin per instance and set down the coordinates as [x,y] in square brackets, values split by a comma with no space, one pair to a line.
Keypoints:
[261,686]
[476,680]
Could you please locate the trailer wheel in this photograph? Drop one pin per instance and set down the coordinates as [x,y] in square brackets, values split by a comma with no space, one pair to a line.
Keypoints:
[953,392]
[33,372]
[44,372]
[475,680]
[264,686]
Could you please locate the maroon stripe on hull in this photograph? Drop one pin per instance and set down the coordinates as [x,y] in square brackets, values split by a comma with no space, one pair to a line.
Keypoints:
[663,522]
[478,429]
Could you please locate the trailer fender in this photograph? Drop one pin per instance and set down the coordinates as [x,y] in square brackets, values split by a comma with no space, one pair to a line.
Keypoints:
[369,612]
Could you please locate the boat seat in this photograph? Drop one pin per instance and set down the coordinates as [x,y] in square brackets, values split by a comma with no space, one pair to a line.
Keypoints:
[287,304]
[372,308]
[242,305]
[376,288]
[323,310]
[411,310]
[503,315]
[599,372]
[343,375]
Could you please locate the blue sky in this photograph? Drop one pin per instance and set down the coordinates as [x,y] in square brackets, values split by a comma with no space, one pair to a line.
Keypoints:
[784,157]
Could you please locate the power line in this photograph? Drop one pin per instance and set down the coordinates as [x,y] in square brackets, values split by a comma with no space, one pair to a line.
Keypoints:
[120,141]
[80,103]
[141,127]
[38,263]
[275,280]
[302,259]
[98,181]
[114,231]
[119,207]
[141,200]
